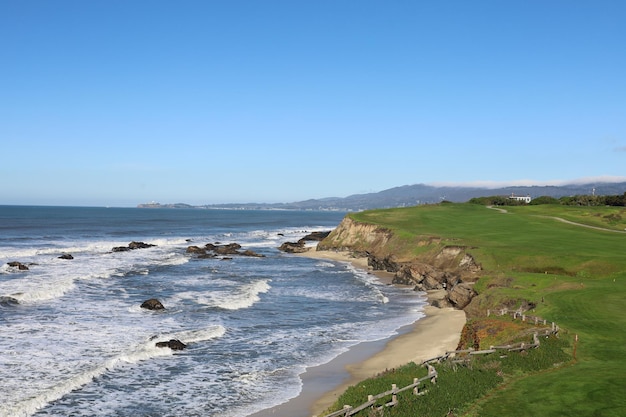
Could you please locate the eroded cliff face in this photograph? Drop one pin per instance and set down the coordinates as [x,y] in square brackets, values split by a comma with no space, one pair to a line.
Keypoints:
[354,236]
[439,266]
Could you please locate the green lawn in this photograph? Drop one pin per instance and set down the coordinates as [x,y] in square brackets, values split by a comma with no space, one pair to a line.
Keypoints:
[575,275]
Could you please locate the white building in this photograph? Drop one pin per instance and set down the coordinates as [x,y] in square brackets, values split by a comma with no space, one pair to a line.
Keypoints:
[520,198]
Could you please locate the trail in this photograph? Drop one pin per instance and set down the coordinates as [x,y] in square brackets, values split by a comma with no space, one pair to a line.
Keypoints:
[501,210]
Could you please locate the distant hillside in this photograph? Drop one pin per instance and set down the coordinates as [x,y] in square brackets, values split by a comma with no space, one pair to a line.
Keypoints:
[411,195]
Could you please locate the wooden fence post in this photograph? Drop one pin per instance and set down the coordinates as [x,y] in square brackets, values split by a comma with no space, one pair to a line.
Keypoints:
[433,374]
[416,389]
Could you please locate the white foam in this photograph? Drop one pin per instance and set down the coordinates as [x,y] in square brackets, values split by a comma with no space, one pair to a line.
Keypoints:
[230,295]
[245,296]
[31,291]
[141,352]
[50,278]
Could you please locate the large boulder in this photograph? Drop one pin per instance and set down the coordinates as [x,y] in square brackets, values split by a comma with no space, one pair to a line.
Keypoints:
[152,304]
[387,263]
[173,344]
[461,294]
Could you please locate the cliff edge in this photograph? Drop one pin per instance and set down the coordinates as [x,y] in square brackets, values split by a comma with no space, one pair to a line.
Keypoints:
[427,263]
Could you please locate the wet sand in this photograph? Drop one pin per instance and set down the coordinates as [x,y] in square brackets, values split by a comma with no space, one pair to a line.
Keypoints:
[433,335]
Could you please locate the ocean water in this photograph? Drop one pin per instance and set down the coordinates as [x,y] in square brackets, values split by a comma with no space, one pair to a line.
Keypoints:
[75,342]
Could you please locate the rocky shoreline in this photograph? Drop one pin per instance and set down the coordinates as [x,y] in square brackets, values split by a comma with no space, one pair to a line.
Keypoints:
[449,268]
[446,278]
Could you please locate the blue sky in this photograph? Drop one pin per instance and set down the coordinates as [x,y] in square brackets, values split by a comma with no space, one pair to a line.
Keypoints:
[115,103]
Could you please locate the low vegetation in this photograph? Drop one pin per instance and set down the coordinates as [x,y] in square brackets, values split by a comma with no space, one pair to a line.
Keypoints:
[572,273]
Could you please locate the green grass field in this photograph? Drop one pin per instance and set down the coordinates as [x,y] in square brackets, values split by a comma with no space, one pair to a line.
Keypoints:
[576,277]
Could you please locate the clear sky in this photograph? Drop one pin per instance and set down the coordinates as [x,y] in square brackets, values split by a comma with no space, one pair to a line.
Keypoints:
[120,102]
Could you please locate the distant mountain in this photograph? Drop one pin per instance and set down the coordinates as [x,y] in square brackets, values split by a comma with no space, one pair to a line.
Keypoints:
[411,195]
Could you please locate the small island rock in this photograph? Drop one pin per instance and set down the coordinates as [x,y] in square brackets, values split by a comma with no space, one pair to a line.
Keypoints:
[173,344]
[18,265]
[152,304]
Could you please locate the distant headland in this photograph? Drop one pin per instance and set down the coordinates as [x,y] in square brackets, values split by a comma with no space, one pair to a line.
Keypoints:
[412,195]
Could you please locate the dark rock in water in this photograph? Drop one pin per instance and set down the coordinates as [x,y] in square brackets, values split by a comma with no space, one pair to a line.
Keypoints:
[18,265]
[196,250]
[132,246]
[251,253]
[139,245]
[229,249]
[66,256]
[316,236]
[152,304]
[8,301]
[120,249]
[173,344]
[291,247]
[206,256]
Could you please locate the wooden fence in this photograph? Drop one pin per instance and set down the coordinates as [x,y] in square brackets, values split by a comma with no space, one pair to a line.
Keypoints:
[372,399]
[451,356]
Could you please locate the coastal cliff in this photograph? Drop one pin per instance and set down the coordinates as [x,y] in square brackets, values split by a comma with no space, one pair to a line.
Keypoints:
[427,263]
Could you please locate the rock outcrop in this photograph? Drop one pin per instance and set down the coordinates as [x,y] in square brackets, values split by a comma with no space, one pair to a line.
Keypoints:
[211,250]
[438,267]
[132,246]
[316,236]
[293,247]
[18,265]
[300,245]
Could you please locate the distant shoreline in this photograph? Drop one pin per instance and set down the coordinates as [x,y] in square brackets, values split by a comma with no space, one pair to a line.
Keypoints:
[434,334]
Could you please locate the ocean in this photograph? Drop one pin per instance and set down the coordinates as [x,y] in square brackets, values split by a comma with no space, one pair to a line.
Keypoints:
[74,340]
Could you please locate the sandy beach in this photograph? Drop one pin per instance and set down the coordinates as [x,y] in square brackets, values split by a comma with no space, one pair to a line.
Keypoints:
[439,331]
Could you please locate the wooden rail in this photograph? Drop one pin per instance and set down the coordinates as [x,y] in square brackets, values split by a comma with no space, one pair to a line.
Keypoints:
[348,410]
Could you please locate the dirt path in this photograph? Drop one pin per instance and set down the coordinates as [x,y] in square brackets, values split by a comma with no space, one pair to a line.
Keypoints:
[583,225]
[501,210]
